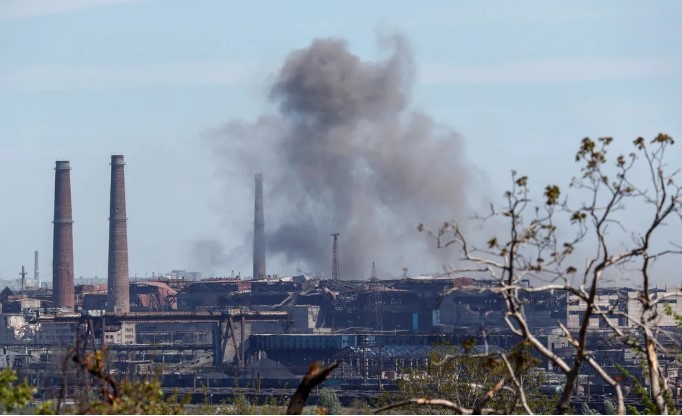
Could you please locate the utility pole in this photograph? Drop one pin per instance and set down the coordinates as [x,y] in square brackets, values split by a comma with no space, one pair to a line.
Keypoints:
[335,257]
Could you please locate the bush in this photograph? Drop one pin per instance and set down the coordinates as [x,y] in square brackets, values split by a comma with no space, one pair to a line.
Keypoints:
[330,401]
[13,396]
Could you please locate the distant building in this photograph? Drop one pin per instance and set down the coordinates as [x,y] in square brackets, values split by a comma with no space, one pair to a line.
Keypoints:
[151,296]
[123,333]
[62,334]
[145,296]
[20,303]
[620,303]
[183,274]
[12,328]
[208,293]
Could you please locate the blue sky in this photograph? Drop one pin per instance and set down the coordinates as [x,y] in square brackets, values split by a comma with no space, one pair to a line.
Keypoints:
[80,80]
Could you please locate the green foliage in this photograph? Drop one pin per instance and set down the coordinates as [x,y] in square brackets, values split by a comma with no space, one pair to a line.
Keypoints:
[669,311]
[206,407]
[142,397]
[610,408]
[16,397]
[272,406]
[586,410]
[330,401]
[552,194]
[455,374]
[13,396]
[241,405]
[640,391]
[578,216]
[522,181]
[646,402]
[360,407]
[103,394]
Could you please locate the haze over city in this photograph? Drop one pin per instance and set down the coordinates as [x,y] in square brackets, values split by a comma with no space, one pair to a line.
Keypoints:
[200,96]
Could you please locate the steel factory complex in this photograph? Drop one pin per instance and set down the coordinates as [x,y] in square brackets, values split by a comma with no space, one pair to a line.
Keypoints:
[263,332]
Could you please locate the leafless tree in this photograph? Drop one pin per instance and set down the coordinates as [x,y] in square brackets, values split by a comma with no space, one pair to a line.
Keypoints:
[548,243]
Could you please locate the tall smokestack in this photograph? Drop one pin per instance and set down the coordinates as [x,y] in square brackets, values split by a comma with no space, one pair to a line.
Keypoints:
[23,278]
[335,256]
[259,231]
[62,243]
[118,292]
[36,271]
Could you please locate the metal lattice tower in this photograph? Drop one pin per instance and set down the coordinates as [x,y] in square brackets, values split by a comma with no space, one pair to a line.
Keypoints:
[335,257]
[373,276]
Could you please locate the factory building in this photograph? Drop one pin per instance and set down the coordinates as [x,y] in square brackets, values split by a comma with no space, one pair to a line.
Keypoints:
[206,294]
[621,303]
[279,324]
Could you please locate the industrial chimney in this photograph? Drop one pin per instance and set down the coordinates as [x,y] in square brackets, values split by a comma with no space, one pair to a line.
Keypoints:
[62,243]
[335,256]
[118,291]
[23,279]
[36,271]
[259,231]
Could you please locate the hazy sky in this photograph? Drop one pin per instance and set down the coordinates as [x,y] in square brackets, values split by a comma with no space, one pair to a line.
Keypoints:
[521,82]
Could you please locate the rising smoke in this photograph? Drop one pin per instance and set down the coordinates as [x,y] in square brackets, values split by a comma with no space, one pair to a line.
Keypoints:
[346,154]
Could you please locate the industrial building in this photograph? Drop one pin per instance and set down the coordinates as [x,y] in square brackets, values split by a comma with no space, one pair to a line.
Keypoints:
[270,327]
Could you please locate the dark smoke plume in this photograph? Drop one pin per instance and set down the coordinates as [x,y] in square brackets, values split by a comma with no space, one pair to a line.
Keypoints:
[346,154]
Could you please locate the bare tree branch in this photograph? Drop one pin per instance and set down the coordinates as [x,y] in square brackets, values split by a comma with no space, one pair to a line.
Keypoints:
[430,402]
[316,375]
[487,396]
[531,249]
[518,385]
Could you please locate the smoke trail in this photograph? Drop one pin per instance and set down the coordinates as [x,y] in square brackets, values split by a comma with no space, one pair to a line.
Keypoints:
[345,154]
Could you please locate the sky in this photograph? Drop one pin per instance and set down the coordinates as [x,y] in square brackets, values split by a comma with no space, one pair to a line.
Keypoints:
[520,82]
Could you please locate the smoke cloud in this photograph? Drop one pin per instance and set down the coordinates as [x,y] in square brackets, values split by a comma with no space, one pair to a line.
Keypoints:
[345,153]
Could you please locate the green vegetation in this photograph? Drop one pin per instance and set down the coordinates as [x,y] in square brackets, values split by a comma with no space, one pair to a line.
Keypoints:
[100,394]
[329,402]
[144,397]
[609,409]
[13,397]
[463,378]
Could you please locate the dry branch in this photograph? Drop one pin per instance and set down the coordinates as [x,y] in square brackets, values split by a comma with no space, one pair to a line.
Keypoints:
[427,402]
[316,375]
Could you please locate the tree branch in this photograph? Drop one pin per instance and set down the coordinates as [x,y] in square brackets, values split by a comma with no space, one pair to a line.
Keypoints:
[316,375]
[428,402]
